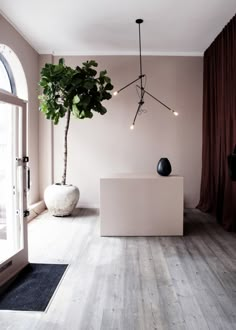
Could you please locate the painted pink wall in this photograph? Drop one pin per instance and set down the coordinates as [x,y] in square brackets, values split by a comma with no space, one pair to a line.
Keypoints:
[45,143]
[106,145]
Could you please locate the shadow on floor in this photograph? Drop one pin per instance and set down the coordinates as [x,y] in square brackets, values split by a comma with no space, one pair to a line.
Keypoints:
[196,222]
[85,212]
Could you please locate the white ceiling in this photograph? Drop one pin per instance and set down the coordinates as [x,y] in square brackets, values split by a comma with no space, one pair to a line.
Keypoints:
[103,27]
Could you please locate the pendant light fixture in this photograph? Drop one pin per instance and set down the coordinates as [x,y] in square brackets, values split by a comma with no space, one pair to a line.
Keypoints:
[141,86]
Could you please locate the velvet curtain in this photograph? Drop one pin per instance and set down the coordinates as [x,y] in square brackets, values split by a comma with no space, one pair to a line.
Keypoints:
[218,192]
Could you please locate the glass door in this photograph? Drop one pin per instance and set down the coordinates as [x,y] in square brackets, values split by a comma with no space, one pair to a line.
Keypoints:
[13,186]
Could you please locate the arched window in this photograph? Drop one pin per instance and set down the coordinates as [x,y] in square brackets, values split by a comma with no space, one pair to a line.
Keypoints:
[7,81]
[12,76]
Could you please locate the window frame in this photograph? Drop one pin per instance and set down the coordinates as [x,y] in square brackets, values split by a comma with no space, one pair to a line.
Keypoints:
[9,73]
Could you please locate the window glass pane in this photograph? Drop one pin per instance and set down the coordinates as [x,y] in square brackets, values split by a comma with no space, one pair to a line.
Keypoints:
[4,79]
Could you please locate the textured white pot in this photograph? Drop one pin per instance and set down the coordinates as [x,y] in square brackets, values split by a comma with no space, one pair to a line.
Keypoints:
[61,199]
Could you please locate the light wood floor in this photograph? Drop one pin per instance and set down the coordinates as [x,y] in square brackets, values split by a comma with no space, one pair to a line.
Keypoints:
[133,283]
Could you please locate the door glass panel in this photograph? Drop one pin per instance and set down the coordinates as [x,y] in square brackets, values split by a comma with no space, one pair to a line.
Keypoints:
[4,81]
[11,174]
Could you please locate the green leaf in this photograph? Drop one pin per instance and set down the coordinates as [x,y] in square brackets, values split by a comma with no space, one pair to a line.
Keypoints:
[61,61]
[107,80]
[93,63]
[102,73]
[88,64]
[89,114]
[89,83]
[85,100]
[109,87]
[75,111]
[103,110]
[82,114]
[76,99]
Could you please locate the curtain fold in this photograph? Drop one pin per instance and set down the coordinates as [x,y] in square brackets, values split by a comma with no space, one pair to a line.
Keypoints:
[218,192]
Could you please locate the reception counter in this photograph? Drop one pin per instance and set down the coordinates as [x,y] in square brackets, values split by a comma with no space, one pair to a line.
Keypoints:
[141,205]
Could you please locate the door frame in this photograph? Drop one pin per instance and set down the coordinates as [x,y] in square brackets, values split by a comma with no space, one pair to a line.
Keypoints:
[15,263]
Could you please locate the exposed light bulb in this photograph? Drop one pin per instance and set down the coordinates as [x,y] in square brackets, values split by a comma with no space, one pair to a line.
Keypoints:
[132,127]
[175,113]
[115,93]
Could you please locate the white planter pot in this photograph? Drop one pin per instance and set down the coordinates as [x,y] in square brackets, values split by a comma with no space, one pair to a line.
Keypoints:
[61,199]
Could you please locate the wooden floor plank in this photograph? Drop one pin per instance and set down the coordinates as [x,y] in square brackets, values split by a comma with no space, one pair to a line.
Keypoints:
[133,283]
[202,285]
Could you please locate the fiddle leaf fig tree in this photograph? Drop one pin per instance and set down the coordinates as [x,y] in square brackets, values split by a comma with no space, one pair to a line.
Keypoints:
[67,91]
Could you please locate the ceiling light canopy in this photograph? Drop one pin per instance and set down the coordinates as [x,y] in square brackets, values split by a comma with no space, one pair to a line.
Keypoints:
[141,87]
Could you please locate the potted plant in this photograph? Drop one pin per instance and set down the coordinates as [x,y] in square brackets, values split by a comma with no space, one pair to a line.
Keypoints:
[67,91]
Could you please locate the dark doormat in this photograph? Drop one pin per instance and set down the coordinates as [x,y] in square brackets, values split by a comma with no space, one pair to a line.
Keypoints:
[33,288]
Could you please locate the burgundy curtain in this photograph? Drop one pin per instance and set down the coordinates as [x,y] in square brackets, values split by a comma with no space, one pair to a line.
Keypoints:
[218,191]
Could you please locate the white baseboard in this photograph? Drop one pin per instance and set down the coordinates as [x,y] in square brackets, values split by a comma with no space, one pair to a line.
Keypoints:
[88,206]
[39,207]
[36,209]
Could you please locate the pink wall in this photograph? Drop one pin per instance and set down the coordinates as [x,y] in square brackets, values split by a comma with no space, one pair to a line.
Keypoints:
[46,144]
[105,144]
[29,59]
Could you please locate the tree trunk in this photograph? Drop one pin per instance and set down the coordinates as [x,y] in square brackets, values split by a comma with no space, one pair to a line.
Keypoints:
[63,181]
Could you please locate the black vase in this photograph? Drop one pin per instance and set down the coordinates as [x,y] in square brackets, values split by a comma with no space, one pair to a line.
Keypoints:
[232,165]
[164,167]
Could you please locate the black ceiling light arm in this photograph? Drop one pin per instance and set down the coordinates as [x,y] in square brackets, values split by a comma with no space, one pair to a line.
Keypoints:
[164,105]
[141,102]
[140,21]
[127,85]
[140,77]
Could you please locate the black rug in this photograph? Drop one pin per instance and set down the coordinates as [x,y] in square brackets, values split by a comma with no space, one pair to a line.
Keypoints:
[33,288]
